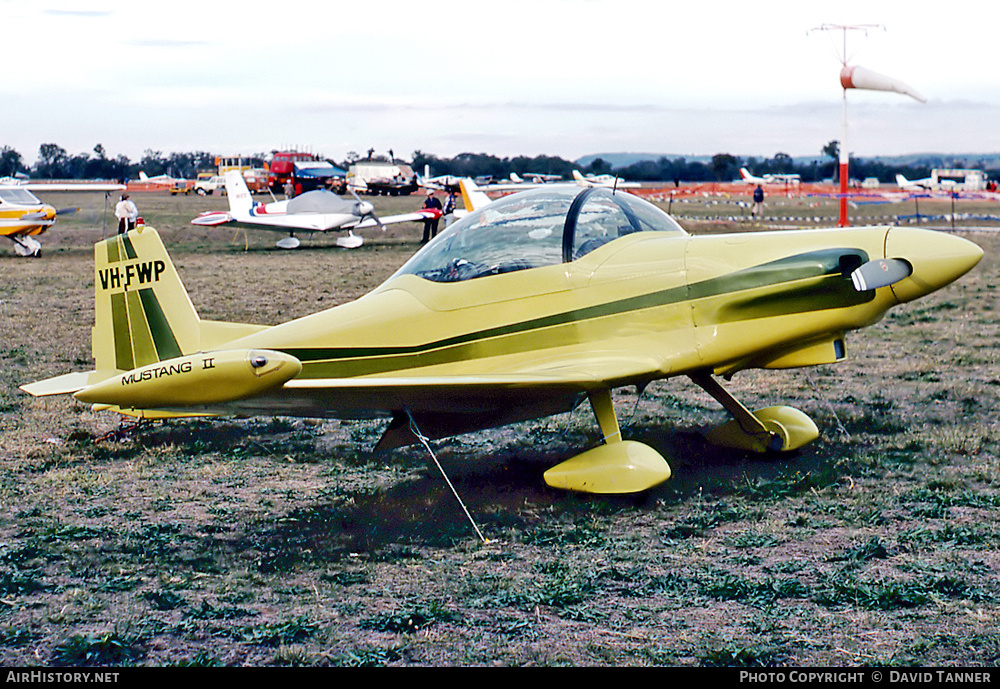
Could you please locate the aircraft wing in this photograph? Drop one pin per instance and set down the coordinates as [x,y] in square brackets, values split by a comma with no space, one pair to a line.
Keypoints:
[440,405]
[453,393]
[81,186]
[307,222]
[25,221]
[416,216]
[443,406]
[304,222]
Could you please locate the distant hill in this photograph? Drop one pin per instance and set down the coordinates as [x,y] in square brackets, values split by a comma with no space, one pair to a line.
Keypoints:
[986,161]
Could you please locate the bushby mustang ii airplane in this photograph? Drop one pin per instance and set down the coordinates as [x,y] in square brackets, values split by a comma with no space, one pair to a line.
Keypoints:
[23,216]
[522,309]
[313,211]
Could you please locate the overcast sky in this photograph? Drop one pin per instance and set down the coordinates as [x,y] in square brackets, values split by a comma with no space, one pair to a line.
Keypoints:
[508,77]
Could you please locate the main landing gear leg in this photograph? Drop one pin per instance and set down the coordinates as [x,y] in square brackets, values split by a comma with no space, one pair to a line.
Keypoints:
[26,246]
[617,466]
[774,429]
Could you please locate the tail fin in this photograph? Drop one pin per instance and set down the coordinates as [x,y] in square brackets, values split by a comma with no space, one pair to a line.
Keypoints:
[142,311]
[240,200]
[473,197]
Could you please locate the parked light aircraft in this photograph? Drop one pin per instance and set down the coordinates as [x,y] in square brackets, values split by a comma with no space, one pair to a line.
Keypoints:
[23,216]
[769,178]
[522,309]
[914,184]
[313,211]
[440,182]
[164,180]
[534,178]
[610,181]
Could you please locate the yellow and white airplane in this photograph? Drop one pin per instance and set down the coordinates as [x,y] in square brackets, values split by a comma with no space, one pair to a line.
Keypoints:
[313,211]
[522,309]
[23,216]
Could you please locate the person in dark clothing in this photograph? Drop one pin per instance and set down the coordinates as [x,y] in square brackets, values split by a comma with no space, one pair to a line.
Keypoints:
[449,208]
[431,224]
[758,202]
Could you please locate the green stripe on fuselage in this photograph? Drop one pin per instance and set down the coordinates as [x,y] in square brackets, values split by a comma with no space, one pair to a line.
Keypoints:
[833,289]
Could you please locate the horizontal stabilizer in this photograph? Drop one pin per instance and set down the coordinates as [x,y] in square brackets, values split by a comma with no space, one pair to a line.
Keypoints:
[66,384]
[212,218]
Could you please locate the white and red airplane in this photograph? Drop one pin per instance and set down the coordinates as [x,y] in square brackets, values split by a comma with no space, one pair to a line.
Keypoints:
[313,211]
[769,178]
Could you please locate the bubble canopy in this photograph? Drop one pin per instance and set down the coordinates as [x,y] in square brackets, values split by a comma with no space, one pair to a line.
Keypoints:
[541,227]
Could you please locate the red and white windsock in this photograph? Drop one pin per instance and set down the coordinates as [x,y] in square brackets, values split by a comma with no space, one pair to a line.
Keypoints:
[861,78]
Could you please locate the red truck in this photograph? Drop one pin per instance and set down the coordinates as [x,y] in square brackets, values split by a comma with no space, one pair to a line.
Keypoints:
[283,166]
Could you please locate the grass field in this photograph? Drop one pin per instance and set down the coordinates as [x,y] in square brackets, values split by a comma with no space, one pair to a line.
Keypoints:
[288,542]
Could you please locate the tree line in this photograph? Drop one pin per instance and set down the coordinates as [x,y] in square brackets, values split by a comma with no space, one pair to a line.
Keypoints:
[54,162]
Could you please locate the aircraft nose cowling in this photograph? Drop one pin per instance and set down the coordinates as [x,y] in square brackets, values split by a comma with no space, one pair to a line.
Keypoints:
[937,259]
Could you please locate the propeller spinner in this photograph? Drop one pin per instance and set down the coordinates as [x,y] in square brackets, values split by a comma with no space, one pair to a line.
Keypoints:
[366,209]
[880,272]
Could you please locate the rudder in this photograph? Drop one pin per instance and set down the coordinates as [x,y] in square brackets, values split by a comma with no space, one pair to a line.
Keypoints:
[142,313]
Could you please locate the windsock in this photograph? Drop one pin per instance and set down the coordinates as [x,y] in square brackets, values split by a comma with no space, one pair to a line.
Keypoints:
[861,78]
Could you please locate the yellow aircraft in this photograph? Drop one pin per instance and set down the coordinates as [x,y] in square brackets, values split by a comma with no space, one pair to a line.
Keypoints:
[520,310]
[23,216]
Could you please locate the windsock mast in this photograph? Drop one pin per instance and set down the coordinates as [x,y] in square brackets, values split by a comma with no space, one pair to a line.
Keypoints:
[854,77]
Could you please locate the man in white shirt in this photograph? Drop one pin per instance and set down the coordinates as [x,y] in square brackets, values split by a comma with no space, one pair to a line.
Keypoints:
[126,212]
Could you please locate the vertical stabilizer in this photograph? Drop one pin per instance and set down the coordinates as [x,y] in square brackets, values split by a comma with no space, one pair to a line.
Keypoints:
[240,200]
[142,311]
[473,197]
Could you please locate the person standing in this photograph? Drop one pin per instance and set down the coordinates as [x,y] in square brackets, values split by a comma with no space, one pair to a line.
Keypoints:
[126,212]
[449,208]
[758,202]
[431,224]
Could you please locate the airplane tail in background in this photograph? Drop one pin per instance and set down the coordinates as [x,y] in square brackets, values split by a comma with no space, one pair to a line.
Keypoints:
[473,197]
[240,200]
